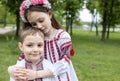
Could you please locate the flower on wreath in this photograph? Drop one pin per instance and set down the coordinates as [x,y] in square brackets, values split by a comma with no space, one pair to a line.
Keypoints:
[27,3]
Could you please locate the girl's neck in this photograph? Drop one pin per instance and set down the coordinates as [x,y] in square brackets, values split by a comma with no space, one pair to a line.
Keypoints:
[51,34]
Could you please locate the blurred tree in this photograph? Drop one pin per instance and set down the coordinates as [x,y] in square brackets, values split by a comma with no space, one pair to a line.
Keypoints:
[68,10]
[13,7]
[110,15]
[92,6]
[109,11]
[71,10]
[3,15]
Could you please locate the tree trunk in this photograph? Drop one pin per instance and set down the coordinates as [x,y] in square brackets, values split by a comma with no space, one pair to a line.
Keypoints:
[110,18]
[113,28]
[96,25]
[67,21]
[5,18]
[92,23]
[96,29]
[71,26]
[17,23]
[104,23]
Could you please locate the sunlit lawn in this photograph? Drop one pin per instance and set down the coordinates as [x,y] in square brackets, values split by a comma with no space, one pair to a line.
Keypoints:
[93,61]
[8,54]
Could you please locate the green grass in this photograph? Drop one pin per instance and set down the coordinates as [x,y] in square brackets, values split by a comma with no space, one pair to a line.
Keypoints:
[8,54]
[93,61]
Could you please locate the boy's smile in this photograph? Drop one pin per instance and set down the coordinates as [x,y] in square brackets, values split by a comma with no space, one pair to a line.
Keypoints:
[33,47]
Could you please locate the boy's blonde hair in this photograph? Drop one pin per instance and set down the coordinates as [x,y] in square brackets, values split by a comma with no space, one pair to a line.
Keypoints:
[30,31]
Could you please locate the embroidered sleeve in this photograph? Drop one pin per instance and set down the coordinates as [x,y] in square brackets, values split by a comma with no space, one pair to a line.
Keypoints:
[65,40]
[65,44]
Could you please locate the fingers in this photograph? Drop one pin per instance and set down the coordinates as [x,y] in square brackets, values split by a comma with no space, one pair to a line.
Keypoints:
[31,74]
[20,74]
[21,78]
[19,67]
[20,70]
[24,74]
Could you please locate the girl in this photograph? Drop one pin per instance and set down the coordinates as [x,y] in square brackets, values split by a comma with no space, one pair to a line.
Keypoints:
[32,45]
[57,44]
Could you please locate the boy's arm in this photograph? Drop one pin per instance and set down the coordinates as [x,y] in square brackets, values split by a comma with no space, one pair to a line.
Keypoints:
[41,74]
[48,71]
[11,70]
[31,74]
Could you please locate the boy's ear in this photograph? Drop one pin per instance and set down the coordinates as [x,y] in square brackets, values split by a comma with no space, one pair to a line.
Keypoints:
[20,46]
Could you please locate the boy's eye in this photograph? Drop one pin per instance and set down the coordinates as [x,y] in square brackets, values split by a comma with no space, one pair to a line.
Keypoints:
[39,45]
[29,45]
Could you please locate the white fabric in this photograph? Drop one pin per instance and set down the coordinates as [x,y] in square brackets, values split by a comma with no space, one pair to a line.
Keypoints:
[46,65]
[54,51]
[61,67]
[66,68]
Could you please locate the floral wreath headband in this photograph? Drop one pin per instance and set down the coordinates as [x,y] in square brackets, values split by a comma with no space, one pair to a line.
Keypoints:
[27,3]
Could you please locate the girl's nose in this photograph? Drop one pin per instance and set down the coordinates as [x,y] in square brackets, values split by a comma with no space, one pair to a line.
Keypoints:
[39,25]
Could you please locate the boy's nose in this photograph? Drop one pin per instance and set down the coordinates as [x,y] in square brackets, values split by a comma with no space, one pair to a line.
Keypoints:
[35,48]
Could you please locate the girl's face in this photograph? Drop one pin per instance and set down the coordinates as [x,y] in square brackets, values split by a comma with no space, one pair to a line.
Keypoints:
[40,20]
[33,47]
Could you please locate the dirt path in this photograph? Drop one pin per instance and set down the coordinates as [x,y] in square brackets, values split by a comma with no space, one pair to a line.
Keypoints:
[6,30]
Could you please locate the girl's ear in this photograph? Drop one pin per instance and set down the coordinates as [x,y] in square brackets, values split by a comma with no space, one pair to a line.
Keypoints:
[20,46]
[50,14]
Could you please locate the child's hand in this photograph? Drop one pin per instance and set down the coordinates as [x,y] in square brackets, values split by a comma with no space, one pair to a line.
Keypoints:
[24,74]
[20,74]
[12,69]
[31,74]
[61,66]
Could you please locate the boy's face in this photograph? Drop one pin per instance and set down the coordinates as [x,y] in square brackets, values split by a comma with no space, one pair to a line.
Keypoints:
[33,47]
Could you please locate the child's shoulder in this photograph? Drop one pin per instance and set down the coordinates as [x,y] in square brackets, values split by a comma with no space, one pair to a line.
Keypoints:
[62,34]
[20,63]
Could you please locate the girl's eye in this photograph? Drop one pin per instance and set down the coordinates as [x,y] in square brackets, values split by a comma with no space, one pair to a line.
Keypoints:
[33,24]
[40,20]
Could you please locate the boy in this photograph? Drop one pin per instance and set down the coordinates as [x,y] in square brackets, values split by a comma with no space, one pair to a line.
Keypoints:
[32,45]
